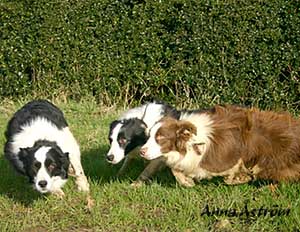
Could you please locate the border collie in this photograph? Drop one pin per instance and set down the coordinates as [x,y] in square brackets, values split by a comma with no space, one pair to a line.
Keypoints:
[129,133]
[40,146]
[237,143]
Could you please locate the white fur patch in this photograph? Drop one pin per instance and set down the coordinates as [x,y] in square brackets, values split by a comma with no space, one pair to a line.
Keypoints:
[136,112]
[151,146]
[42,129]
[154,112]
[115,149]
[150,113]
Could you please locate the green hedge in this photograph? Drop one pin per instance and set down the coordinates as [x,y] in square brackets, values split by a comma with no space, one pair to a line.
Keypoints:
[193,51]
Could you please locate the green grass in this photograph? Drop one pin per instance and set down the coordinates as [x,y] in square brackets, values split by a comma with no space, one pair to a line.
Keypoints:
[162,206]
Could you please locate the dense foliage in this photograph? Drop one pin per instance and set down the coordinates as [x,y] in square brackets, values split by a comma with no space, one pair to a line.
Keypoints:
[192,51]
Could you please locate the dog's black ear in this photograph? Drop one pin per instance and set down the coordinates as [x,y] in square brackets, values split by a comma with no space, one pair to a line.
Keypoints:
[140,126]
[65,164]
[143,125]
[64,157]
[113,124]
[67,154]
[24,153]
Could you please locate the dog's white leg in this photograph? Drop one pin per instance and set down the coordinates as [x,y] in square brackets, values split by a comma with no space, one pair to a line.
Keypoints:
[57,184]
[81,180]
[76,170]
[71,146]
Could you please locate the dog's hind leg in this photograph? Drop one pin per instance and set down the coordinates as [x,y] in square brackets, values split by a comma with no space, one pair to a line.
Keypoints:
[239,174]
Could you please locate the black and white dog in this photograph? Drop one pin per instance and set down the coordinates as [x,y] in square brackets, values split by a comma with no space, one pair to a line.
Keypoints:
[130,132]
[40,146]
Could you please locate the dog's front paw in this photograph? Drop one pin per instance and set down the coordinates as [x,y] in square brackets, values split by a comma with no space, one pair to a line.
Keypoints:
[187,182]
[90,202]
[59,193]
[182,179]
[137,184]
[82,184]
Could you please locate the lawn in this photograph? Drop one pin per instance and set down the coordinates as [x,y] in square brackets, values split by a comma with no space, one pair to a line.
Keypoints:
[161,206]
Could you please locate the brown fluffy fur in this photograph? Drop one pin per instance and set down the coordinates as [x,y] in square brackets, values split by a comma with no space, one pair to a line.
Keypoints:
[265,144]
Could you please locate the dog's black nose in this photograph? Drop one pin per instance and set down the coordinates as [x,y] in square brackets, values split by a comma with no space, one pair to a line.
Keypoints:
[110,157]
[42,183]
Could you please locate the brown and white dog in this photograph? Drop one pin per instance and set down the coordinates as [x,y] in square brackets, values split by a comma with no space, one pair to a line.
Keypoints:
[237,143]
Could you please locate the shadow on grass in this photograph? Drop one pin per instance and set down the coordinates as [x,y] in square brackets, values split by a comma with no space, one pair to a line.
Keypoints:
[216,181]
[261,183]
[96,167]
[99,170]
[15,186]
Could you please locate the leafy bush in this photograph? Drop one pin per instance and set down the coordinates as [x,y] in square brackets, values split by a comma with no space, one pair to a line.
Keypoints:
[183,51]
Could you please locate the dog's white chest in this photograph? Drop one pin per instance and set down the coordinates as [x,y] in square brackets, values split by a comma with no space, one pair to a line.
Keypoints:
[189,164]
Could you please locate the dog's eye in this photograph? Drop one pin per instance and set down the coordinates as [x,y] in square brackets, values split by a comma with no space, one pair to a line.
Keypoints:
[51,167]
[122,141]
